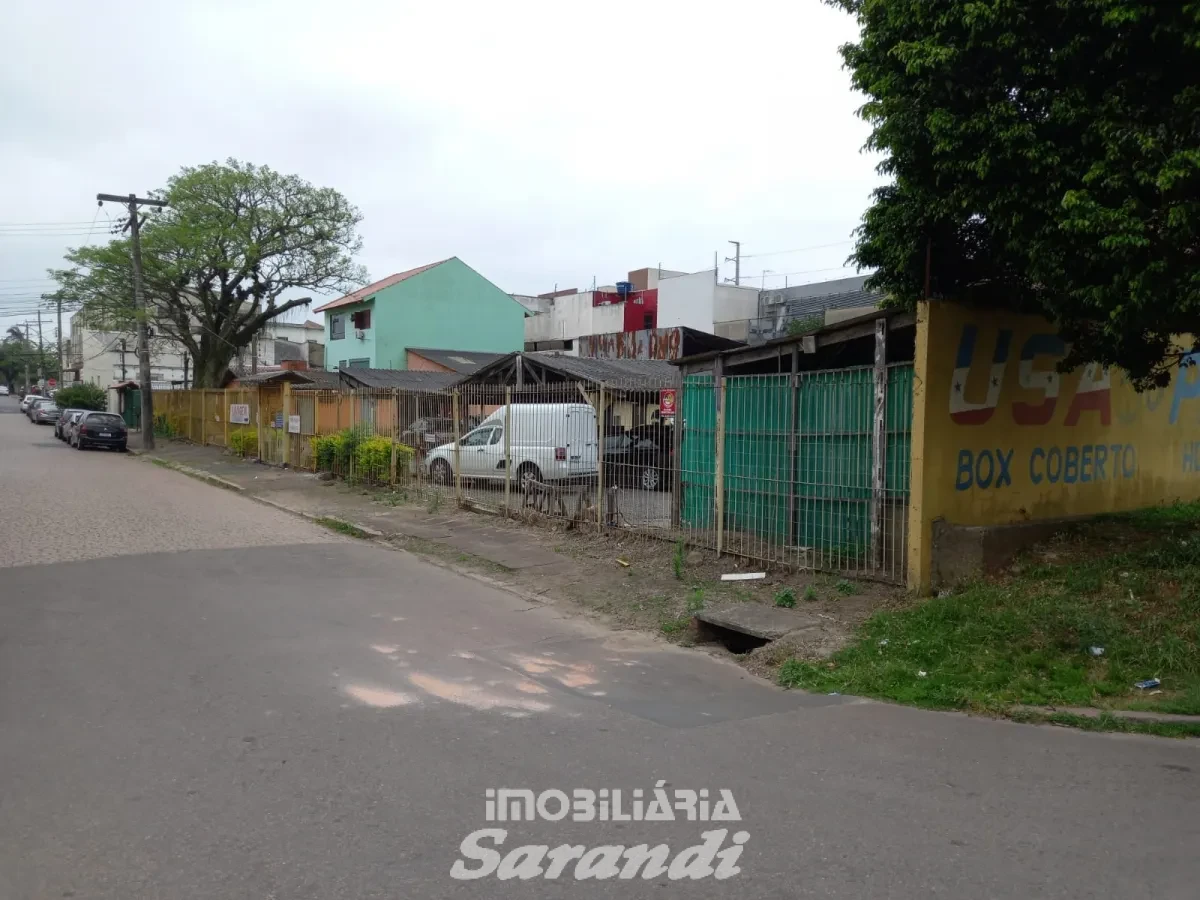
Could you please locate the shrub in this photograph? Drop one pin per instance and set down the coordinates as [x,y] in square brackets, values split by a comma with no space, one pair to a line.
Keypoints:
[244,442]
[82,396]
[786,598]
[371,453]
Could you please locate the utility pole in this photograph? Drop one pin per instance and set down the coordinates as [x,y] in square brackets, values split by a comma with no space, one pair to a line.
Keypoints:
[60,359]
[41,352]
[736,259]
[132,201]
[123,361]
[27,390]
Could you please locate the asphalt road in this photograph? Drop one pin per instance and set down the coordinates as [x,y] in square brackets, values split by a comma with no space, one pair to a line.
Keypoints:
[201,697]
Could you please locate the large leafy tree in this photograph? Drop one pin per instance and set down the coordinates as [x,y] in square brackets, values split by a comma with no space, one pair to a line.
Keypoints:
[218,260]
[16,353]
[1044,155]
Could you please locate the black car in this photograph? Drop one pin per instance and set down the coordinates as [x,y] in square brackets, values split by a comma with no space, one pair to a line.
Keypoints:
[100,429]
[642,457]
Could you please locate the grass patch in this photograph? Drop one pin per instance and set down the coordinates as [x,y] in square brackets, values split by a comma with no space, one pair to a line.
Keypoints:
[341,527]
[786,598]
[1127,583]
[810,594]
[846,587]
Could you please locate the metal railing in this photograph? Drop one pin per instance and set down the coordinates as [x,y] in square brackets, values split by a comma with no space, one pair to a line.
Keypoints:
[809,471]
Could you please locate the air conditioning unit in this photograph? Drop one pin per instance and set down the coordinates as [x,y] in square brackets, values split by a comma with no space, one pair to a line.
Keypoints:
[360,334]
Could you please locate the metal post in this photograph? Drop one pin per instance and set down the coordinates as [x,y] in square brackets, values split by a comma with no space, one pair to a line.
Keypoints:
[879,444]
[203,418]
[507,450]
[719,474]
[287,414]
[793,446]
[600,458]
[225,415]
[676,455]
[395,431]
[258,417]
[457,453]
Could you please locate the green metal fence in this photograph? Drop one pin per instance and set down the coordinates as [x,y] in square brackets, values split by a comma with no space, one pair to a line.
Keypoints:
[793,456]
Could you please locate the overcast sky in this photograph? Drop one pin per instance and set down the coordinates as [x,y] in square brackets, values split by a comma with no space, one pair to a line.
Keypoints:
[543,143]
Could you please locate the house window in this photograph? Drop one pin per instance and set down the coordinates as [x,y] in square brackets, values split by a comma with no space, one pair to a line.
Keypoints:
[337,327]
[362,319]
[647,321]
[359,364]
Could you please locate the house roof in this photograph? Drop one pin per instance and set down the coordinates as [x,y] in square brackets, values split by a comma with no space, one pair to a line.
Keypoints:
[314,325]
[275,375]
[405,379]
[319,380]
[363,293]
[626,374]
[464,362]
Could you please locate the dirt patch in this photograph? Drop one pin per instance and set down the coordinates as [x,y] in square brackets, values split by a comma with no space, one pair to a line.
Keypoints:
[628,580]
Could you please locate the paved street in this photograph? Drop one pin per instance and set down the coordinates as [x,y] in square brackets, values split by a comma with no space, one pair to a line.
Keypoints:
[202,697]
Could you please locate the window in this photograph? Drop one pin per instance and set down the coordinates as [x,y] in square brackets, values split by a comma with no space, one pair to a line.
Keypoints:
[648,321]
[362,319]
[359,364]
[478,438]
[497,436]
[341,364]
[337,327]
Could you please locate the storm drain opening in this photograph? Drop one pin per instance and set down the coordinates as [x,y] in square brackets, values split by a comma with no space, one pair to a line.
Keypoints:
[737,642]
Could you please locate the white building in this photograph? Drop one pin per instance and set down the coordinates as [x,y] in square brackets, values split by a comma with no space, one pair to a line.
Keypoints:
[105,358]
[697,301]
[569,317]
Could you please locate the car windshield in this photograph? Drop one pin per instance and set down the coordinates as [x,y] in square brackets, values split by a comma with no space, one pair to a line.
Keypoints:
[104,419]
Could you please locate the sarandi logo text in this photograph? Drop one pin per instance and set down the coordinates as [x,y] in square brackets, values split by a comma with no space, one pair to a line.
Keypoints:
[715,856]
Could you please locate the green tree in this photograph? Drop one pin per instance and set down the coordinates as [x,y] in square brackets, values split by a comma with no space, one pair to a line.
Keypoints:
[82,396]
[1046,155]
[219,259]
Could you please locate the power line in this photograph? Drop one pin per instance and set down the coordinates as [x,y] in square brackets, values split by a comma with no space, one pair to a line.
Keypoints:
[799,249]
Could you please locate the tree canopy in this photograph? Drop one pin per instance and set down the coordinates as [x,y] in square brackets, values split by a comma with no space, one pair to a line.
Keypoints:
[1045,154]
[218,260]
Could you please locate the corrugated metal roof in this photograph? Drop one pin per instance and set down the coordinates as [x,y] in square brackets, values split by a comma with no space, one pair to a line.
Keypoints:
[400,378]
[645,372]
[462,361]
[363,293]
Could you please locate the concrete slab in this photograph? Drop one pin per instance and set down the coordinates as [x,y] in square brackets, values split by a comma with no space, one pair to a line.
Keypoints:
[767,622]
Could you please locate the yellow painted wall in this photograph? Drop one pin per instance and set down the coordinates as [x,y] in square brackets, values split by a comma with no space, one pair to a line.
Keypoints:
[992,444]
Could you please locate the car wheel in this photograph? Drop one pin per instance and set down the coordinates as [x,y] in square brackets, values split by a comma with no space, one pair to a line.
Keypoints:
[440,470]
[78,444]
[651,479]
[123,448]
[528,474]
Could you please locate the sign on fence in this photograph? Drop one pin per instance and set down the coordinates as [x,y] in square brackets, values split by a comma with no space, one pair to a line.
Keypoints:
[277,422]
[239,413]
[666,403]
[293,424]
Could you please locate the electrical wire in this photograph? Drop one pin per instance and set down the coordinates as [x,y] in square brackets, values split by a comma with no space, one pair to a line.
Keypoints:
[798,249]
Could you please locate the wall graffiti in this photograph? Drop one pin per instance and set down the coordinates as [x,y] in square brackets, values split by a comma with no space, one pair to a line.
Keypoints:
[1042,385]
[654,343]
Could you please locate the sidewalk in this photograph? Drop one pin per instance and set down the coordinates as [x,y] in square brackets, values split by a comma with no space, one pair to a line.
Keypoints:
[304,494]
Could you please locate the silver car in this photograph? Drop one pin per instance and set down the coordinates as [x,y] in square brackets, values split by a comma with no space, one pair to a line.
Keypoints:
[31,410]
[44,414]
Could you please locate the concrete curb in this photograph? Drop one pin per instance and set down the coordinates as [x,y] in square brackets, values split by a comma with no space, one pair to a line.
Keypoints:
[192,472]
[1091,712]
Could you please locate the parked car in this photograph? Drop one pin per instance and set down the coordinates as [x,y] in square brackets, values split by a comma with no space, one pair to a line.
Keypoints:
[3,390]
[60,425]
[99,429]
[45,414]
[69,424]
[27,399]
[549,442]
[642,457]
[34,404]
[428,432]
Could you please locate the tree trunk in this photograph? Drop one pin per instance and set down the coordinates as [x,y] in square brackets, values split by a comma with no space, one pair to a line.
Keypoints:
[211,369]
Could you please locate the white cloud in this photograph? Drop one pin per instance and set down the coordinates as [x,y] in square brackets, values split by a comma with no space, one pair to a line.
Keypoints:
[542,142]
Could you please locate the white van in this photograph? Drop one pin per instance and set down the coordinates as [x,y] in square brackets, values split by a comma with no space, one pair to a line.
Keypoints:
[548,442]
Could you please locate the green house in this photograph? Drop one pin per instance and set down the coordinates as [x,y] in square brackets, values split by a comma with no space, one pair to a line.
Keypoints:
[444,305]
